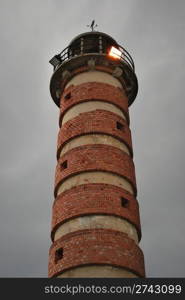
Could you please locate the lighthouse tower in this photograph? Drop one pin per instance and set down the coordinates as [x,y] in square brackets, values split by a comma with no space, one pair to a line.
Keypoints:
[95,219]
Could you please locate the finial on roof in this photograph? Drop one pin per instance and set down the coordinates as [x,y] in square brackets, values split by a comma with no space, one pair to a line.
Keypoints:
[93,25]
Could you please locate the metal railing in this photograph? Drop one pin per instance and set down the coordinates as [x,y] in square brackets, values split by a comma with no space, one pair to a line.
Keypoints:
[86,46]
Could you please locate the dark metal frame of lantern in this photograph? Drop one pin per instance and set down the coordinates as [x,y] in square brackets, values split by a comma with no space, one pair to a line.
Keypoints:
[87,51]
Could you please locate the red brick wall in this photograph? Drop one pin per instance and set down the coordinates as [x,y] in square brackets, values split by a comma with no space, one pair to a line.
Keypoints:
[95,158]
[94,91]
[98,121]
[97,198]
[96,246]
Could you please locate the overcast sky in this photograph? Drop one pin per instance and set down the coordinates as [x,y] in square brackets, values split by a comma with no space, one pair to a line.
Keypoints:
[31,33]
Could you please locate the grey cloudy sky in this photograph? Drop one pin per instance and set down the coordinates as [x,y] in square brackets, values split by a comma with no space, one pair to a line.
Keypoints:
[31,32]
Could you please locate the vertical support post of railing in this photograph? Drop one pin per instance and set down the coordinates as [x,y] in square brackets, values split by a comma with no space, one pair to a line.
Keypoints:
[100,45]
[81,45]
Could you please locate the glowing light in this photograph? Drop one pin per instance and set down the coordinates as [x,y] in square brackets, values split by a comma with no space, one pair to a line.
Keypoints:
[114,52]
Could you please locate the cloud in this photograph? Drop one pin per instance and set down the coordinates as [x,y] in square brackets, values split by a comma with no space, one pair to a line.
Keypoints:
[31,33]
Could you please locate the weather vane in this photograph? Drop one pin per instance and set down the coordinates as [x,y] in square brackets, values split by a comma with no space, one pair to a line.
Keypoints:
[93,25]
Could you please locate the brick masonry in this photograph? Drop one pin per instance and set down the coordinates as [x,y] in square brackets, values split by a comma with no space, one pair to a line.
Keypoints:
[95,157]
[89,199]
[95,246]
[98,121]
[93,91]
